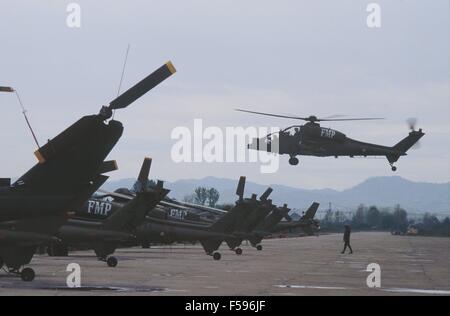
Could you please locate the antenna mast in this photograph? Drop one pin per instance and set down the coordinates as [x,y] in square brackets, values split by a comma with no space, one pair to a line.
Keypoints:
[123,72]
[24,111]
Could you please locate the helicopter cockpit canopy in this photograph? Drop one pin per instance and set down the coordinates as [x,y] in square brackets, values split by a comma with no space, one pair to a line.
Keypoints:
[293,130]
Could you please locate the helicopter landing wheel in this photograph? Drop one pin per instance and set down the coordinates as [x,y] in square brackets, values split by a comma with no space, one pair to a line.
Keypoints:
[293,161]
[112,262]
[238,251]
[393,168]
[27,275]
[259,247]
[217,256]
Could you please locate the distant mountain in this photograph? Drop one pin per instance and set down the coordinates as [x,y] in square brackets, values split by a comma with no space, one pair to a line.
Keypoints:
[379,191]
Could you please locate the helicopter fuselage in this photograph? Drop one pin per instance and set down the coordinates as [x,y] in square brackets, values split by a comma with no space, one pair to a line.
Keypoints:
[311,139]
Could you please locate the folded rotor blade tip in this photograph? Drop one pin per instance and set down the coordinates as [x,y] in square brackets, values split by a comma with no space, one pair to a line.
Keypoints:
[171,67]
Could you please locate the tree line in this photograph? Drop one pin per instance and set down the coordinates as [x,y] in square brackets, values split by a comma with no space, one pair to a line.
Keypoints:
[394,220]
[364,218]
[203,196]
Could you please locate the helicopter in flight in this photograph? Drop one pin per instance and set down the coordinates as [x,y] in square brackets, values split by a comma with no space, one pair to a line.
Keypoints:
[310,139]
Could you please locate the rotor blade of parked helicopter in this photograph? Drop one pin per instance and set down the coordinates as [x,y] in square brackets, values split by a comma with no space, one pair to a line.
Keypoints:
[203,207]
[142,87]
[240,188]
[266,194]
[142,179]
[114,194]
[174,205]
[284,212]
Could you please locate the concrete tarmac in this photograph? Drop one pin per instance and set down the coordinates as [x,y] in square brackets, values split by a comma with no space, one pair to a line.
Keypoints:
[289,266]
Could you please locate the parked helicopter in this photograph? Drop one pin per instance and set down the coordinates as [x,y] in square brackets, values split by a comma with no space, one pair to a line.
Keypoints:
[273,223]
[166,230]
[250,219]
[105,236]
[71,168]
[311,139]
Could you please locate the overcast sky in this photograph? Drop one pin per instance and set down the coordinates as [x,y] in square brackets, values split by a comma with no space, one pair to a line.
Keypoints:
[297,57]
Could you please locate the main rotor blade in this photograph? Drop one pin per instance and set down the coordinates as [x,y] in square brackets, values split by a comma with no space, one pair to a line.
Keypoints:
[160,184]
[114,194]
[241,187]
[203,208]
[352,119]
[270,114]
[266,194]
[142,87]
[145,170]
[6,89]
[311,118]
[335,116]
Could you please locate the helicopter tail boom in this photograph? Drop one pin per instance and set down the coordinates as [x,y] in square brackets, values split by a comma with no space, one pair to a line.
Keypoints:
[406,143]
[403,146]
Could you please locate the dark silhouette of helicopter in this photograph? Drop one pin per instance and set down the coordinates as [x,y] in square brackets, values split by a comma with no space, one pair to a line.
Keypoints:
[71,168]
[250,219]
[311,139]
[119,228]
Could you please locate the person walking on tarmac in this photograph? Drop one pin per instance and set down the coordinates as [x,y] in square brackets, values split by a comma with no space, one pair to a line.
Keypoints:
[347,232]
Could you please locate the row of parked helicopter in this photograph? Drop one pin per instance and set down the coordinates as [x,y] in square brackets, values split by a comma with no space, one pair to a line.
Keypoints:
[142,217]
[50,204]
